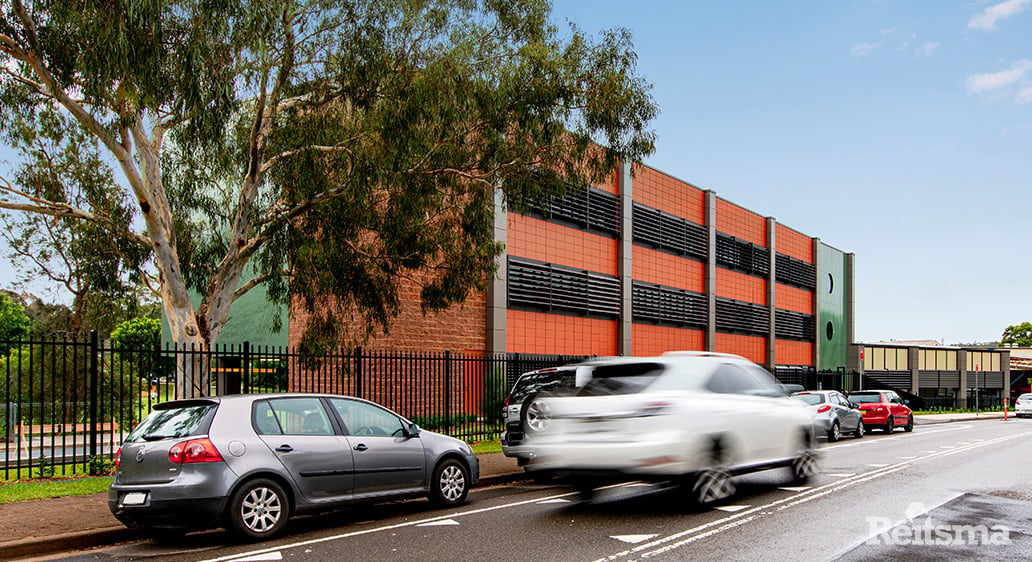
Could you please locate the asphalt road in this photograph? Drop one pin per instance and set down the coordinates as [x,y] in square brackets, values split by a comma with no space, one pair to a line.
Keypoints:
[955,491]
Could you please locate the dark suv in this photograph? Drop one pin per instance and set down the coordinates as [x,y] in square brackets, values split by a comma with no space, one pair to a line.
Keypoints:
[526,411]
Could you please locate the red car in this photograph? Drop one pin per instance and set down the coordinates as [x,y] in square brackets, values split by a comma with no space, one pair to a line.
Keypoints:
[883,409]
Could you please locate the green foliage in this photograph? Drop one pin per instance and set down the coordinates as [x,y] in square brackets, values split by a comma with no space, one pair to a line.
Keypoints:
[494,392]
[137,333]
[441,422]
[44,467]
[268,375]
[1019,335]
[101,465]
[22,491]
[342,146]
[14,323]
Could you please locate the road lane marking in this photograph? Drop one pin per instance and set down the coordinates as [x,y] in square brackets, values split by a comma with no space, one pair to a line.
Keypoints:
[745,516]
[441,523]
[842,475]
[795,488]
[878,465]
[263,557]
[732,508]
[908,458]
[633,539]
[556,500]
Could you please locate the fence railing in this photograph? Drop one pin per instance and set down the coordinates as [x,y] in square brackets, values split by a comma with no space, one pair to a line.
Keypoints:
[67,404]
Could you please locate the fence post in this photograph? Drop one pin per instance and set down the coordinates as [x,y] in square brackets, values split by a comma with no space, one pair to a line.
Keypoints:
[245,368]
[358,371]
[94,375]
[447,390]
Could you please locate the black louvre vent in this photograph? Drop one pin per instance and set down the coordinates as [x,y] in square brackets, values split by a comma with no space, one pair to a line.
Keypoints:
[554,288]
[793,325]
[664,231]
[792,271]
[667,305]
[589,209]
[742,256]
[742,317]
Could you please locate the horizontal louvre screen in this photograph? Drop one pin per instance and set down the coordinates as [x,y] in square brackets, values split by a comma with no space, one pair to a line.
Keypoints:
[794,325]
[741,255]
[589,209]
[667,305]
[743,317]
[555,288]
[664,231]
[792,271]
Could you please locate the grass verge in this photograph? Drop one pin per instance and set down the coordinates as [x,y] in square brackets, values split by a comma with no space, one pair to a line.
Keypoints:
[44,489]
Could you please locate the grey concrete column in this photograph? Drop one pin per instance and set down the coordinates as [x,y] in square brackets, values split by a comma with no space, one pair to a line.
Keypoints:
[962,367]
[817,304]
[624,337]
[913,363]
[711,270]
[497,286]
[772,292]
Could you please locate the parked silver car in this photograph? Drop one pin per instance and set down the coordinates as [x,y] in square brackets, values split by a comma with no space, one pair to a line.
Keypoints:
[249,462]
[833,413]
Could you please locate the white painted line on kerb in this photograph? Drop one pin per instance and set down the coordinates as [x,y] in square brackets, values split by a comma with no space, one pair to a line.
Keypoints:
[688,536]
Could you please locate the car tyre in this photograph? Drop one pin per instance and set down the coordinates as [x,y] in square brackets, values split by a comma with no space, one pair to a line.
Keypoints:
[860,430]
[259,510]
[890,425]
[714,483]
[805,465]
[585,490]
[835,433]
[536,414]
[450,484]
[910,424]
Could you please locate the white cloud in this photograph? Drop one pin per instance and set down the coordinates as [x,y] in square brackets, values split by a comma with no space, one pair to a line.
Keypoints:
[1025,95]
[986,19]
[979,83]
[927,49]
[861,50]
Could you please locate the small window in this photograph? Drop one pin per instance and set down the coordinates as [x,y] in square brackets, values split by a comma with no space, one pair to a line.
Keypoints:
[264,421]
[362,418]
[301,416]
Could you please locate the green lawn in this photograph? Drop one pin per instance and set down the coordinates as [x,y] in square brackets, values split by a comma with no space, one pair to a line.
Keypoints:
[44,489]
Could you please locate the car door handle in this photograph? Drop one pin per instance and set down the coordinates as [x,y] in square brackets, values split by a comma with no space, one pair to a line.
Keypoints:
[361,447]
[284,449]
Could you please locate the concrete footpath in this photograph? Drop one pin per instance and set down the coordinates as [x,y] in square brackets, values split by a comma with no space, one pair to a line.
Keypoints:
[35,528]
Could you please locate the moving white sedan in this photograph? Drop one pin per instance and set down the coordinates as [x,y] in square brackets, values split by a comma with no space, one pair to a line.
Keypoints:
[695,418]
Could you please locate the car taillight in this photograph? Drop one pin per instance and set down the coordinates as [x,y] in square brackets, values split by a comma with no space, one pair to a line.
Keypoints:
[118,457]
[194,450]
[823,409]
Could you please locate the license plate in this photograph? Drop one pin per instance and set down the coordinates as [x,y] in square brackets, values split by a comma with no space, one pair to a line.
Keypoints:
[134,498]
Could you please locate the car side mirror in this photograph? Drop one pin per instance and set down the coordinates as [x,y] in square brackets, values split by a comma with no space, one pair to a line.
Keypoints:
[907,402]
[854,405]
[412,430]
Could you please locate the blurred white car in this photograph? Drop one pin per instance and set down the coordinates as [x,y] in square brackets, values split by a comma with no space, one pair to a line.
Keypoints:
[694,418]
[1023,405]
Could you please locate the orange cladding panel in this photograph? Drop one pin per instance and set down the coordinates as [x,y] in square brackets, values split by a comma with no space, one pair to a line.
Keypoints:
[788,352]
[660,191]
[653,340]
[666,269]
[535,332]
[741,223]
[553,243]
[792,298]
[792,243]
[752,348]
[742,287]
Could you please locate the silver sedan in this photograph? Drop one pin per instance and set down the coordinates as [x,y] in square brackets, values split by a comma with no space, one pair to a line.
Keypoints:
[833,413]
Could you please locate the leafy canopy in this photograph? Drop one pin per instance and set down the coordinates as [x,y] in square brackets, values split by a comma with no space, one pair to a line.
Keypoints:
[1019,335]
[336,148]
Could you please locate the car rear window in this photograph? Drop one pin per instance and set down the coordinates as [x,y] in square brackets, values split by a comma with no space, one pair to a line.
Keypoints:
[865,398]
[811,399]
[181,421]
[624,378]
[559,381]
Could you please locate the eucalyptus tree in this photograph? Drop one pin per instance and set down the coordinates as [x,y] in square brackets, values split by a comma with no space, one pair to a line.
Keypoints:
[334,147]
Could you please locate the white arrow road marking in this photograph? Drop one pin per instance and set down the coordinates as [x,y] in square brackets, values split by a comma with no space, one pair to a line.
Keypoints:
[877,465]
[732,508]
[795,488]
[439,523]
[556,500]
[262,557]
[842,475]
[633,539]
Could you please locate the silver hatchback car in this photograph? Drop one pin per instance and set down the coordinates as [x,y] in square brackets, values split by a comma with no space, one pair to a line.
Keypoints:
[249,462]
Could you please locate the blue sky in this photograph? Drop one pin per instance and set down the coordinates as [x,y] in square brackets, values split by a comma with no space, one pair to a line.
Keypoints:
[897,130]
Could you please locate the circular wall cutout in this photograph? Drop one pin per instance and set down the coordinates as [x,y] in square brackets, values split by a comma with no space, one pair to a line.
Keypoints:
[831,284]
[830,330]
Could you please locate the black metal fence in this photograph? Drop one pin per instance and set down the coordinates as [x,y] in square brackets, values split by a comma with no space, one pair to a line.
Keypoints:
[67,404]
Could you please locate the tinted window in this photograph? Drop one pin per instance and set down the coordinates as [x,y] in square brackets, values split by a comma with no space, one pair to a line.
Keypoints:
[624,378]
[560,381]
[733,379]
[264,419]
[361,418]
[811,399]
[872,398]
[175,422]
[299,416]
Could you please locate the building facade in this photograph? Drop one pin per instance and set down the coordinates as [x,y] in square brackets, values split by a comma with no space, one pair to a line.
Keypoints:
[643,264]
